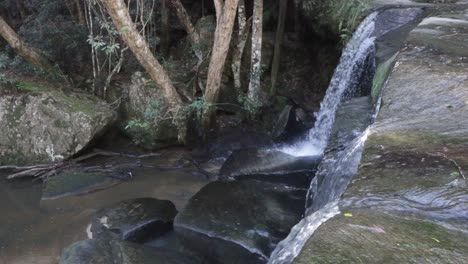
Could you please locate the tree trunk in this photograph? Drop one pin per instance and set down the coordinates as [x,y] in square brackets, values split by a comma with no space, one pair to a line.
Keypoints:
[219,4]
[165,28]
[244,26]
[191,31]
[221,44]
[25,50]
[278,43]
[140,48]
[255,94]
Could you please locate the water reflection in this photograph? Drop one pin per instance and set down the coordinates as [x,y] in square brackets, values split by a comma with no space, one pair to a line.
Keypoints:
[35,231]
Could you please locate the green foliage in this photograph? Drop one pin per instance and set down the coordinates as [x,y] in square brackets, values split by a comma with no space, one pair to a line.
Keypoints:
[4,61]
[248,104]
[197,108]
[154,111]
[336,17]
[140,129]
[50,29]
[348,14]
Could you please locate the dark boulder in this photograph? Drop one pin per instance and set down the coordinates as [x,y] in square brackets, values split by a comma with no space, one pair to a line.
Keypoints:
[101,251]
[234,139]
[213,154]
[239,221]
[136,220]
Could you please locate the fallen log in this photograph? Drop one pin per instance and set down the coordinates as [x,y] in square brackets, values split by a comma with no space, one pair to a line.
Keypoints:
[43,171]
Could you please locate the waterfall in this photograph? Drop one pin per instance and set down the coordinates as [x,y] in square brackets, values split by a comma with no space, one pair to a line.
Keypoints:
[345,77]
[325,201]
[334,172]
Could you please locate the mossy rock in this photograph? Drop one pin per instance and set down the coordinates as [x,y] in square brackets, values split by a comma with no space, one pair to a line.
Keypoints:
[77,183]
[366,236]
[42,124]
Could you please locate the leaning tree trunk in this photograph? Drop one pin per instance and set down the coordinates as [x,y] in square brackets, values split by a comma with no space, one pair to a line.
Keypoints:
[25,50]
[189,28]
[255,94]
[140,48]
[221,44]
[219,9]
[278,43]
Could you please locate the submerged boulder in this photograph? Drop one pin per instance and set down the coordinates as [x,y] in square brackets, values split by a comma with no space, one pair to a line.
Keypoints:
[41,124]
[101,251]
[239,221]
[134,220]
[77,183]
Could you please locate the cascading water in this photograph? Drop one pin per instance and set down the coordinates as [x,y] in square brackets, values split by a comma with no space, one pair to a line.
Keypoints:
[325,205]
[348,71]
[335,172]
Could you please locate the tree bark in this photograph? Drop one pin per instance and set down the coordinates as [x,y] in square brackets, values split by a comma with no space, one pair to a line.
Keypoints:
[255,94]
[278,43]
[25,50]
[140,48]
[219,4]
[189,28]
[244,27]
[221,44]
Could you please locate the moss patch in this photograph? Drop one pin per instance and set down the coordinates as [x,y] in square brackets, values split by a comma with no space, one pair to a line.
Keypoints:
[381,75]
[68,183]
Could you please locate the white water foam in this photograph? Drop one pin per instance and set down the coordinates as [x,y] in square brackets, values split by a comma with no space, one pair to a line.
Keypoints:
[356,51]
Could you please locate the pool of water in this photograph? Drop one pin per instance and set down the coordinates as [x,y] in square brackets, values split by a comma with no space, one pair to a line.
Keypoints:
[34,231]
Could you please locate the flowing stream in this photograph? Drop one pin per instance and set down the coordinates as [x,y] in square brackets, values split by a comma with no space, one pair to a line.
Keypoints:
[335,171]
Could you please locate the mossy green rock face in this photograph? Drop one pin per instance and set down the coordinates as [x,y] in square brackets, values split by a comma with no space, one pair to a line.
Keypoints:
[40,124]
[408,202]
[101,251]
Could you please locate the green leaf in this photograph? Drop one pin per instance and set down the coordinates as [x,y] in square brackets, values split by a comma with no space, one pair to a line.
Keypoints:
[348,214]
[435,239]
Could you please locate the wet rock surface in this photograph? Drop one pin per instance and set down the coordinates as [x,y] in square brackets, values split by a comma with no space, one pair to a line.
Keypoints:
[101,251]
[408,202]
[42,124]
[239,221]
[136,220]
[352,118]
[246,162]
